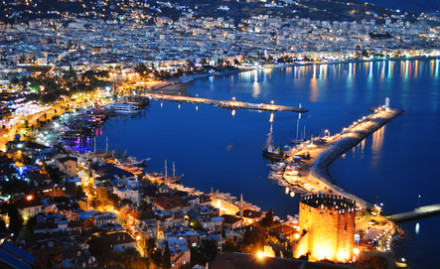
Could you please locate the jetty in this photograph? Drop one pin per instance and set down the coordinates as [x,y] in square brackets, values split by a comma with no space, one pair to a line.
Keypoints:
[231,104]
[315,176]
[418,213]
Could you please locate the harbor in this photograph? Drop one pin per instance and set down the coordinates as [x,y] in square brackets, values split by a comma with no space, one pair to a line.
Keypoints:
[306,166]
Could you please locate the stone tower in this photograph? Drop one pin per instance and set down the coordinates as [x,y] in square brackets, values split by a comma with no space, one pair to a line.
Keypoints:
[327,228]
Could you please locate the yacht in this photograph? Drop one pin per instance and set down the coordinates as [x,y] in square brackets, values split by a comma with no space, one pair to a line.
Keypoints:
[123,108]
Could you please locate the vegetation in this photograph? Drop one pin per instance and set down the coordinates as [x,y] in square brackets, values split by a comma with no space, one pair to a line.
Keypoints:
[130,258]
[166,258]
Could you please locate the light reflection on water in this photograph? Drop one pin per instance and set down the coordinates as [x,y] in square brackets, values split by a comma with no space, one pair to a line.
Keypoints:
[376,146]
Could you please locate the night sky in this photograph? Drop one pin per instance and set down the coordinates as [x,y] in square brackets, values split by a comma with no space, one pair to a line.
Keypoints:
[409,5]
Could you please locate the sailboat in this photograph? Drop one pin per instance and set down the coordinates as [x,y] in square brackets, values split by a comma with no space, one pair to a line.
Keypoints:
[174,177]
[298,140]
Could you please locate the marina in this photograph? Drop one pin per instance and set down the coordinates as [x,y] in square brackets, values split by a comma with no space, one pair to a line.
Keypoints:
[313,157]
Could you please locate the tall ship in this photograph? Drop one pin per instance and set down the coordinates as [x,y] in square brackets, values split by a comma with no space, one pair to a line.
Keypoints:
[119,108]
[160,178]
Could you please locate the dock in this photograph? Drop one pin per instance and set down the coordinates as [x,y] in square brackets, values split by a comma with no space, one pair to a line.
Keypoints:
[315,176]
[232,104]
[418,213]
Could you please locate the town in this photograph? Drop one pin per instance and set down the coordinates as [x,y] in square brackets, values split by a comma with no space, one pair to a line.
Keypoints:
[65,203]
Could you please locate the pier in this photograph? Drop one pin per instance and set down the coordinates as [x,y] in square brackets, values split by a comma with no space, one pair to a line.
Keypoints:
[315,176]
[233,104]
[418,213]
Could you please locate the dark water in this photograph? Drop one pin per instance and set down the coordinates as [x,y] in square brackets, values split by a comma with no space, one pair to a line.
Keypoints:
[215,149]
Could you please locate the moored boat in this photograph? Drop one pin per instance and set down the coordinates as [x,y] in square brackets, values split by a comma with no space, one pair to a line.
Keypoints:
[123,108]
[273,153]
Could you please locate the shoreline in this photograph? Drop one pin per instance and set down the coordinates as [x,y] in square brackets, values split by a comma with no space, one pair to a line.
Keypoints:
[179,86]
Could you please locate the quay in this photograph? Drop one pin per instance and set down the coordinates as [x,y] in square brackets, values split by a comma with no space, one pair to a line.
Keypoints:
[233,104]
[315,176]
[418,213]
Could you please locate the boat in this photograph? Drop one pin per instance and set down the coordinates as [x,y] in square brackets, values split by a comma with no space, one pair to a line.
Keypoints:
[156,177]
[297,141]
[139,101]
[273,153]
[274,175]
[278,166]
[119,108]
[282,183]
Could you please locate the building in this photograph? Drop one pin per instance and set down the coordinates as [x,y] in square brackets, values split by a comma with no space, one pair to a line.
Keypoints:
[12,256]
[67,165]
[29,206]
[121,241]
[234,260]
[327,228]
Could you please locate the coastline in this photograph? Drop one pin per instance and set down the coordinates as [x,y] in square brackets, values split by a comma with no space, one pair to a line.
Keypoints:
[179,86]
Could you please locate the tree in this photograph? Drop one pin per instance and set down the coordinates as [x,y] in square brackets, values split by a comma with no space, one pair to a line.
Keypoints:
[3,226]
[209,249]
[166,258]
[230,246]
[267,221]
[15,220]
[253,239]
[14,80]
[106,198]
[156,256]
[100,248]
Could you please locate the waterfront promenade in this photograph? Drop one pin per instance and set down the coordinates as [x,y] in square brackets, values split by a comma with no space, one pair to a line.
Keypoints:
[315,171]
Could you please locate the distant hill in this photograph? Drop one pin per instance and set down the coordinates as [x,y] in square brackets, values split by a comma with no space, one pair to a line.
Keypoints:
[410,5]
[332,10]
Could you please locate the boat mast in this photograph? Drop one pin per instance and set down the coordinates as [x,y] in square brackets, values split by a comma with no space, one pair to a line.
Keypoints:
[174,170]
[166,172]
[297,123]
[106,144]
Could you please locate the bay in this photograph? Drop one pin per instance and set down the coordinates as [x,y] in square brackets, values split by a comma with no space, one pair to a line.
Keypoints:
[219,150]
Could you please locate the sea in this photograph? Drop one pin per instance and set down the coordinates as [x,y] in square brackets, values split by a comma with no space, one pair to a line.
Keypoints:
[220,149]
